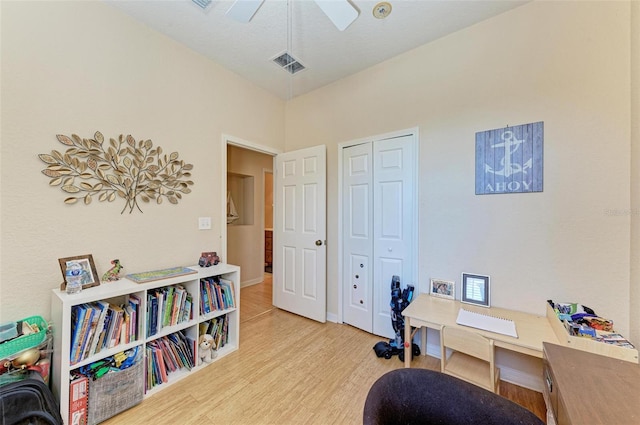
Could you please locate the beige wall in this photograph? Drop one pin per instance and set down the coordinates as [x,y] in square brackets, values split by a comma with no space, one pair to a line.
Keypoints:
[245,243]
[635,173]
[564,63]
[268,200]
[78,67]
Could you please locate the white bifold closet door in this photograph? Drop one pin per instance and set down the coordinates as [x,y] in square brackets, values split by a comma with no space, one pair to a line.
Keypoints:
[379,231]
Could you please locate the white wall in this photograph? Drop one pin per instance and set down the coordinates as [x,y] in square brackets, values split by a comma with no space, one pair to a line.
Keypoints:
[78,67]
[564,63]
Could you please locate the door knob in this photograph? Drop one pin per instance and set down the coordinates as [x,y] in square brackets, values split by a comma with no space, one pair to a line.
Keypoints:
[318,242]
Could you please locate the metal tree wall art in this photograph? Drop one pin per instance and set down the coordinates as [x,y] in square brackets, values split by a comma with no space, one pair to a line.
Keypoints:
[122,168]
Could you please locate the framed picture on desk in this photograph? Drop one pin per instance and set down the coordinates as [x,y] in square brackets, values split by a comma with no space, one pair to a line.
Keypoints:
[443,289]
[475,289]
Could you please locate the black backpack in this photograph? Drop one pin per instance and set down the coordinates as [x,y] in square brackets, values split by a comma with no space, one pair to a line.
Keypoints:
[28,402]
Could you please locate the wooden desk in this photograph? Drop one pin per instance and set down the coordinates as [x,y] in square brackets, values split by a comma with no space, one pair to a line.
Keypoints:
[584,388]
[426,311]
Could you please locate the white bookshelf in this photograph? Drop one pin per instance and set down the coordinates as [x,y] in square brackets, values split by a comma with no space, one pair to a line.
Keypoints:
[116,292]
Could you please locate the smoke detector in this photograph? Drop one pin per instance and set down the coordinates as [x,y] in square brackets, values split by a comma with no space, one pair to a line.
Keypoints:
[382,10]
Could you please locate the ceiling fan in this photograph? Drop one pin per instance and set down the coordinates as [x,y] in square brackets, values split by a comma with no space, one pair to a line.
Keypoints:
[341,12]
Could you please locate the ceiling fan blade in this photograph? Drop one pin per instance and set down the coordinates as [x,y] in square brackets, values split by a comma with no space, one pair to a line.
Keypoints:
[243,10]
[341,12]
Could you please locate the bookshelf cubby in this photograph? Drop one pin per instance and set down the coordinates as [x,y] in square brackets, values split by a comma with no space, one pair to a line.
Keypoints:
[189,318]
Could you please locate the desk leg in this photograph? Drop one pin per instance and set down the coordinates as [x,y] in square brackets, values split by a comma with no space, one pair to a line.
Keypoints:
[423,340]
[407,343]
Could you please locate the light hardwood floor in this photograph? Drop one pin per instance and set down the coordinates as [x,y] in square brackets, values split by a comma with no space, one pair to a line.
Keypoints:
[288,370]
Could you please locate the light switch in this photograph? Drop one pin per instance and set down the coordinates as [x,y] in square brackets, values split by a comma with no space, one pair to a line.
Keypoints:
[204,223]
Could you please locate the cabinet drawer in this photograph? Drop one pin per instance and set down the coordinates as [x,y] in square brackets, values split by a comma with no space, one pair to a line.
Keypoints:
[550,391]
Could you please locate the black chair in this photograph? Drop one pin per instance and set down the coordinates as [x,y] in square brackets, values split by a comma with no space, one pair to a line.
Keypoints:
[422,396]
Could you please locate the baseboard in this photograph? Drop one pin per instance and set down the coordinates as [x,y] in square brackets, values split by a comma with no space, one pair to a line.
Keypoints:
[332,317]
[251,282]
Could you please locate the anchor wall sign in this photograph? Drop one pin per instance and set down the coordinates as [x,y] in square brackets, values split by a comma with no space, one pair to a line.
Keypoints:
[509,160]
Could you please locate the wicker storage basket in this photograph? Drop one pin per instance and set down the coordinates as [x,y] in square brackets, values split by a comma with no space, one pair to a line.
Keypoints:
[25,342]
[115,392]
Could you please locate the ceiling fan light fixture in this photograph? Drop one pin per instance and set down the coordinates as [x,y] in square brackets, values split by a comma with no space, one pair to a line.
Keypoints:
[382,10]
[243,10]
[341,12]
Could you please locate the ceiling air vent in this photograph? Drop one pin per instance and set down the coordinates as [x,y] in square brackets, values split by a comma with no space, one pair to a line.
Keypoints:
[288,63]
[203,4]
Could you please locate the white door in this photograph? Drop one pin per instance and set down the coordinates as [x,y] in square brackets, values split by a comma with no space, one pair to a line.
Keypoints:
[394,229]
[379,237]
[357,236]
[299,246]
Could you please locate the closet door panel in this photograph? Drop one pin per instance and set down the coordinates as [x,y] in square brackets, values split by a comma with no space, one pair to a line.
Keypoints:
[393,205]
[357,204]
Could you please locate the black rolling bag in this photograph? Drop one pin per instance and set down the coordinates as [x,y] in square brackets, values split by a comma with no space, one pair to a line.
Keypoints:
[28,402]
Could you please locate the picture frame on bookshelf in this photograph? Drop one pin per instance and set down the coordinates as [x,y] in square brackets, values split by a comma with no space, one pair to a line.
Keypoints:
[475,289]
[86,264]
[443,289]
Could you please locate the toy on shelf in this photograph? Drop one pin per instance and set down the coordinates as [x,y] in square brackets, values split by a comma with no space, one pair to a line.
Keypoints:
[208,259]
[113,273]
[205,349]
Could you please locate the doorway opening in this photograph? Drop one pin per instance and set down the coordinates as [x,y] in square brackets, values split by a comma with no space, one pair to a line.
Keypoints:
[243,164]
[268,221]
[248,210]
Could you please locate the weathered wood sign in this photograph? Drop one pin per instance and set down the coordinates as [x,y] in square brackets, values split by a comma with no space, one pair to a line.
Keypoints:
[509,160]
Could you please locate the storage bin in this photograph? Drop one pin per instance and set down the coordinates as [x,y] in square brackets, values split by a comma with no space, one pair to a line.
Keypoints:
[588,344]
[115,392]
[16,373]
[24,342]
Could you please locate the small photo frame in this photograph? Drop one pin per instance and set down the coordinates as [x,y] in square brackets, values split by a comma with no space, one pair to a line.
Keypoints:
[475,289]
[443,289]
[85,263]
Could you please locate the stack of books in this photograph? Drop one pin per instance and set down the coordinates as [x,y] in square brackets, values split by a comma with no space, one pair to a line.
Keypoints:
[216,294]
[166,355]
[614,339]
[218,328]
[168,306]
[101,325]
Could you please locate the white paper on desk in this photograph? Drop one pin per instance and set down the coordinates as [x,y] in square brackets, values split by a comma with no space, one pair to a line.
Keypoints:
[487,323]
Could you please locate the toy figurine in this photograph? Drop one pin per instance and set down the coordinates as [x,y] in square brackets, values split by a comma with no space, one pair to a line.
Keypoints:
[113,273]
[205,349]
[208,259]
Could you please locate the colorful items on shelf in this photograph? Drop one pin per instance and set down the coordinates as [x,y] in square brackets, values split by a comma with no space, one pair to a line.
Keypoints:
[580,320]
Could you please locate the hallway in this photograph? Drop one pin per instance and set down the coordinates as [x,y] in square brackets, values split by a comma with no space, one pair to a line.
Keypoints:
[256,300]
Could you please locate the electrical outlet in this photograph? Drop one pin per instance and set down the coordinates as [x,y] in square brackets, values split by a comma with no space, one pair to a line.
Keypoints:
[204,223]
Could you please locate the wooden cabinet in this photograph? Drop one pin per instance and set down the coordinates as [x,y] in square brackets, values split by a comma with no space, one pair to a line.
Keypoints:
[583,388]
[268,250]
[120,292]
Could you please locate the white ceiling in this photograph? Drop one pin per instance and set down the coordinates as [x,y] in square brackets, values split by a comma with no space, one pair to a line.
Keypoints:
[328,54]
